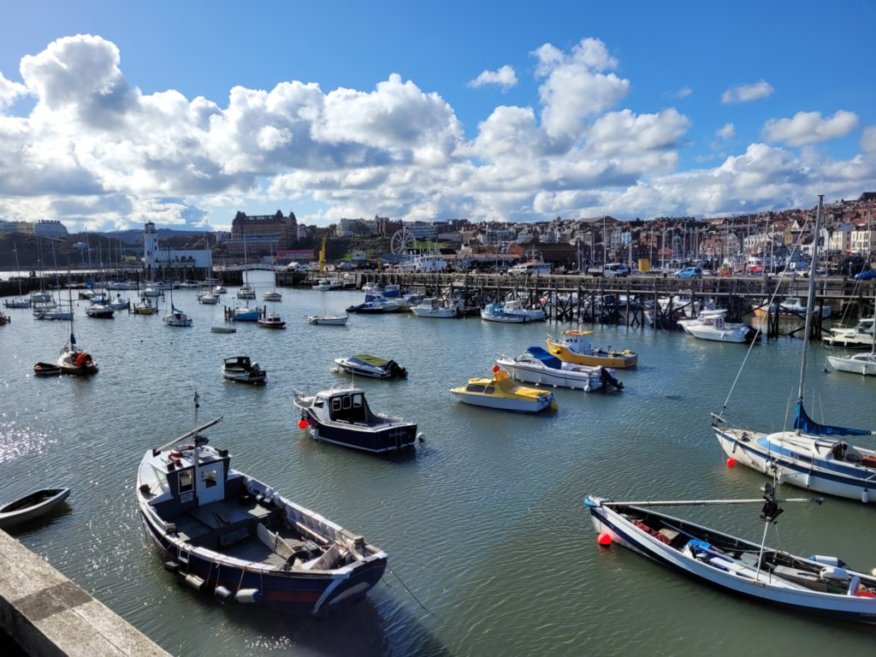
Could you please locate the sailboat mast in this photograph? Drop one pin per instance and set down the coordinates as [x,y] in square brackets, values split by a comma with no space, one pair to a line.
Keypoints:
[810,301]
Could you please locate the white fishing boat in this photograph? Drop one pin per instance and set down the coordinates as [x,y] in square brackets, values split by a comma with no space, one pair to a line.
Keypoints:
[859,336]
[811,455]
[328,320]
[713,325]
[233,537]
[322,285]
[511,312]
[864,364]
[813,584]
[537,365]
[272,296]
[437,308]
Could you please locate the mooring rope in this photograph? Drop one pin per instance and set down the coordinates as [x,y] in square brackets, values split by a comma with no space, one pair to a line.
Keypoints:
[411,593]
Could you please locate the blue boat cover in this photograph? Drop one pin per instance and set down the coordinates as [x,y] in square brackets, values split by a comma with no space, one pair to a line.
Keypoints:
[802,422]
[546,357]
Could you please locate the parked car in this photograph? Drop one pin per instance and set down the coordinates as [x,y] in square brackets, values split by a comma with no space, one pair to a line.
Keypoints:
[865,275]
[689,272]
[615,269]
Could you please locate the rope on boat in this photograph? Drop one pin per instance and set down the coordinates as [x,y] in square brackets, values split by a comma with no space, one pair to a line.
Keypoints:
[407,588]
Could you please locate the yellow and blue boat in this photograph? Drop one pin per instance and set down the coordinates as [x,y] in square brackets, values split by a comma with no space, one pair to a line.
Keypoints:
[574,347]
[503,393]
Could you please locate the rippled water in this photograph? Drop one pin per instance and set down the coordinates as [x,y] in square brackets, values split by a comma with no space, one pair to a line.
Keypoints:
[491,551]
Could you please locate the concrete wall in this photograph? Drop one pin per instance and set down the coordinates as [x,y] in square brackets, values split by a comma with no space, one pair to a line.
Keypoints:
[49,616]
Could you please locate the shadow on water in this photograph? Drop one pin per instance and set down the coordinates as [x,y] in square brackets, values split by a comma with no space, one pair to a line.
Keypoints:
[377,626]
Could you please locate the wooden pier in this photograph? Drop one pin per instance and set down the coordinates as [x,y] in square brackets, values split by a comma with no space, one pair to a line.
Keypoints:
[633,300]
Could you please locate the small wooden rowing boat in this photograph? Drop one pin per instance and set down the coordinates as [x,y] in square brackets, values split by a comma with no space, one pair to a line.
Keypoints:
[31,506]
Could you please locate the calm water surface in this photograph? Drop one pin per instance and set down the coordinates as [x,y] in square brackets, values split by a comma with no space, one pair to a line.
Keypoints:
[491,550]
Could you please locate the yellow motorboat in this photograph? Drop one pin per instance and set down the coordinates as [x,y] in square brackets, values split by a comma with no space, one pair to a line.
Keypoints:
[574,347]
[502,392]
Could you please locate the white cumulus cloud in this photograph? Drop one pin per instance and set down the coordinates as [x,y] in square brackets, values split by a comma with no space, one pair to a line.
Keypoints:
[576,86]
[505,77]
[745,93]
[810,127]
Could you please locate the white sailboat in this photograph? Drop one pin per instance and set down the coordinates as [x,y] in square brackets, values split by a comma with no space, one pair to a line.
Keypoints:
[176,317]
[812,455]
[20,301]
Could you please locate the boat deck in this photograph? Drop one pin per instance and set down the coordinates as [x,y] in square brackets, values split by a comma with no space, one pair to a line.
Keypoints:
[233,529]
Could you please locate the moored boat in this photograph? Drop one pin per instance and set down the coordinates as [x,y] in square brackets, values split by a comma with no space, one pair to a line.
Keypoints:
[511,312]
[328,320]
[538,366]
[373,367]
[712,325]
[811,455]
[342,416]
[242,370]
[574,347]
[502,393]
[31,506]
[750,568]
[227,534]
[271,321]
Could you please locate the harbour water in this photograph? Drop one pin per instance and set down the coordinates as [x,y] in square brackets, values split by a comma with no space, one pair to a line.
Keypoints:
[491,551]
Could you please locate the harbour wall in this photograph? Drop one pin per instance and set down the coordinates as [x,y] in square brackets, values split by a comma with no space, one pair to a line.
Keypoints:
[47,615]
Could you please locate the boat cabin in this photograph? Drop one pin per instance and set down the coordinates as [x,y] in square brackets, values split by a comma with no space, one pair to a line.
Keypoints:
[346,406]
[192,477]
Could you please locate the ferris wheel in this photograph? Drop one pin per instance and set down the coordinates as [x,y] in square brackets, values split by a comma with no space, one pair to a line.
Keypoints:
[401,242]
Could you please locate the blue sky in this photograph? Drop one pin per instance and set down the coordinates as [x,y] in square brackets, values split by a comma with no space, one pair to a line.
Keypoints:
[182,113]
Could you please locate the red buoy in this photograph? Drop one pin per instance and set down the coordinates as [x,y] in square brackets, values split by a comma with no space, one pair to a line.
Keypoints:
[604,539]
[731,462]
[495,369]
[302,424]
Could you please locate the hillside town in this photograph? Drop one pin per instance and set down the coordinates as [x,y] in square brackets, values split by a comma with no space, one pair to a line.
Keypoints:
[743,243]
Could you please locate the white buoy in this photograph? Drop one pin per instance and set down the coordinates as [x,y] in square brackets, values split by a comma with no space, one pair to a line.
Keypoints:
[194,581]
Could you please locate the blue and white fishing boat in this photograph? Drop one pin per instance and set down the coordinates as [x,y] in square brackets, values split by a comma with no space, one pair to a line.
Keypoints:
[511,312]
[810,455]
[343,417]
[820,584]
[537,365]
[227,534]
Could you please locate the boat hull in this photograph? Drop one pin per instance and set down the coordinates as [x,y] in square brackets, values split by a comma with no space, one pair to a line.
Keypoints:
[315,593]
[504,403]
[778,454]
[725,573]
[31,506]
[859,364]
[612,359]
[327,321]
[586,381]
[391,438]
